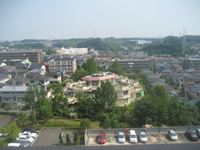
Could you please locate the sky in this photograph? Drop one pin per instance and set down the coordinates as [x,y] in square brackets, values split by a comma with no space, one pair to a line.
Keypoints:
[64,19]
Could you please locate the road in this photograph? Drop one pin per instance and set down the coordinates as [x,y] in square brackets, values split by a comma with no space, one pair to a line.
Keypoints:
[48,137]
[190,146]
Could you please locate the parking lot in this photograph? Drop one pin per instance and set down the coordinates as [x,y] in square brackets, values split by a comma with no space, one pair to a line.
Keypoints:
[48,137]
[154,137]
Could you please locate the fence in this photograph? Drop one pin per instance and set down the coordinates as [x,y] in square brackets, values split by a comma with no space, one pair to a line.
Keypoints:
[157,130]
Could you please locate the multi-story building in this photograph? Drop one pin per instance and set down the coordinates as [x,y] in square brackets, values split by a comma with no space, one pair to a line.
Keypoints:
[136,64]
[72,51]
[35,56]
[13,94]
[62,63]
[191,63]
[126,90]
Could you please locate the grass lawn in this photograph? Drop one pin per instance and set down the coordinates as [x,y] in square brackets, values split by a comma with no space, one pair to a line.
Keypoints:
[68,123]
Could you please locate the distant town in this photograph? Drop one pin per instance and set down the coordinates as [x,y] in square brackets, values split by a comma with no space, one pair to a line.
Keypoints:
[88,88]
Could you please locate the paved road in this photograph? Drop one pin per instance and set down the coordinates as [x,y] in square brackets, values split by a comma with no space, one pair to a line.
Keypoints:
[120,147]
[5,119]
[48,137]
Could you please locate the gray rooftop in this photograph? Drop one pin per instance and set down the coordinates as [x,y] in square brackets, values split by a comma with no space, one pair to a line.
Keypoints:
[14,88]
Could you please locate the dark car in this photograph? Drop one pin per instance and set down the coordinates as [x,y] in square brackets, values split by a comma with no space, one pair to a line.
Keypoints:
[191,134]
[102,138]
[198,132]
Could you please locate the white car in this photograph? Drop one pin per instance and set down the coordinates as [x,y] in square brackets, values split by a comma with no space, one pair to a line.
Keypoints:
[14,144]
[172,135]
[121,137]
[24,138]
[143,137]
[28,133]
[133,136]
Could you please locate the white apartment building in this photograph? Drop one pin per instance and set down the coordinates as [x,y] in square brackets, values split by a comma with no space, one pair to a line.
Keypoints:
[72,51]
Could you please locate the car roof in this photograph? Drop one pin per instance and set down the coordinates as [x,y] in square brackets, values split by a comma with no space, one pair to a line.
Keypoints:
[121,133]
[142,133]
[132,132]
[171,131]
[102,134]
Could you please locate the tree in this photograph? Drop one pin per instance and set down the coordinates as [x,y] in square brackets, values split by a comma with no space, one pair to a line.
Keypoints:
[12,130]
[84,124]
[67,138]
[59,101]
[76,138]
[44,111]
[21,119]
[90,66]
[105,98]
[79,73]
[84,107]
[116,68]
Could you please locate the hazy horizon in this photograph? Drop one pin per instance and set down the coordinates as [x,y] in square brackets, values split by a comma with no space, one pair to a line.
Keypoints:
[67,19]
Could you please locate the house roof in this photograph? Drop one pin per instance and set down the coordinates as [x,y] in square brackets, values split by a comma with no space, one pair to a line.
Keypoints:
[9,88]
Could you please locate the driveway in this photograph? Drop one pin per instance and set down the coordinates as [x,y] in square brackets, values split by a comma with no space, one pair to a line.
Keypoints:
[48,137]
[5,119]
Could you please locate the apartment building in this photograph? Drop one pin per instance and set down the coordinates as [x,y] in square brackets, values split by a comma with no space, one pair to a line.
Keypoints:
[136,64]
[35,56]
[127,90]
[72,51]
[62,63]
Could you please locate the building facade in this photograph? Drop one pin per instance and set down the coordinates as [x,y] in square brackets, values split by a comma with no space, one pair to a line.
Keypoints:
[33,56]
[72,51]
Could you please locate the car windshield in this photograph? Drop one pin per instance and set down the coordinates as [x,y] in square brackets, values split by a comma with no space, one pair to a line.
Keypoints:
[101,137]
[121,136]
[173,134]
[143,135]
[133,136]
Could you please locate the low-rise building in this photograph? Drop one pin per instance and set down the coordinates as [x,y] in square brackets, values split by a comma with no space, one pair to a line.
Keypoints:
[127,90]
[72,51]
[62,63]
[13,94]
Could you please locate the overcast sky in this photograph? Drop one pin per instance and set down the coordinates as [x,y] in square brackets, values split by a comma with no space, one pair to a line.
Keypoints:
[58,19]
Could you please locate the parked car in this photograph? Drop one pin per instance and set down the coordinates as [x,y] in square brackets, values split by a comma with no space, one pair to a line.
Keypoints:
[198,132]
[14,144]
[121,137]
[24,138]
[102,138]
[32,130]
[133,136]
[191,134]
[172,135]
[143,137]
[28,133]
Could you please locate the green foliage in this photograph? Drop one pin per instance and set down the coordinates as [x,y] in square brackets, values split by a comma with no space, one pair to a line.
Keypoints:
[76,139]
[79,73]
[44,111]
[60,138]
[104,98]
[59,101]
[170,45]
[84,107]
[67,138]
[90,66]
[116,68]
[84,124]
[21,119]
[12,130]
[158,109]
